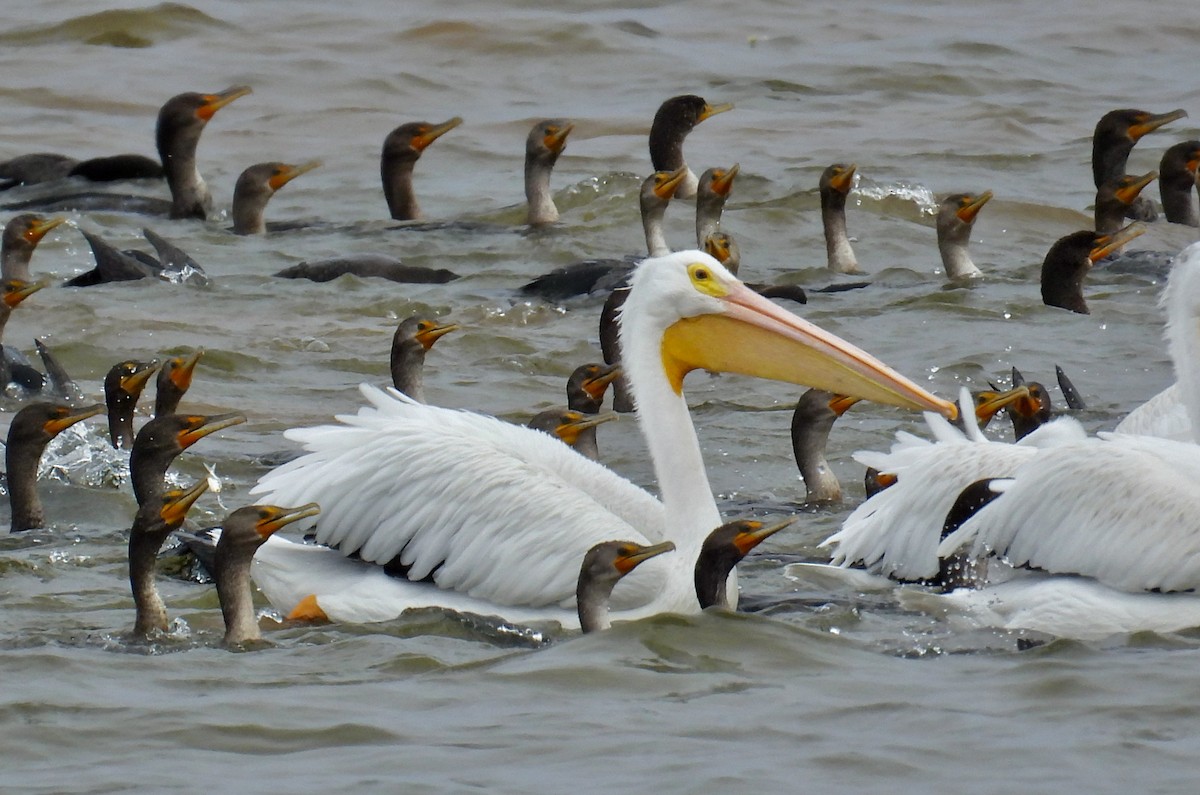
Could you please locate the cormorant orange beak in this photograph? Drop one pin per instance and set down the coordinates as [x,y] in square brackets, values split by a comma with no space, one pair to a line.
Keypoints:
[666,182]
[716,245]
[754,533]
[38,229]
[181,373]
[200,426]
[177,503]
[556,138]
[66,417]
[287,172]
[575,422]
[1193,162]
[713,110]
[723,179]
[632,554]
[421,141]
[844,180]
[1128,191]
[430,335]
[988,404]
[1106,244]
[275,518]
[596,385]
[214,102]
[17,290]
[971,208]
[135,382]
[842,403]
[1151,122]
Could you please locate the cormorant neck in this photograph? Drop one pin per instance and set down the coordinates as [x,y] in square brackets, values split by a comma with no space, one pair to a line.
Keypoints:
[14,261]
[398,188]
[145,539]
[591,600]
[5,314]
[957,261]
[120,421]
[809,437]
[21,463]
[1064,288]
[1176,192]
[237,600]
[147,473]
[712,572]
[708,216]
[1109,156]
[585,444]
[652,225]
[839,254]
[177,149]
[542,209]
[248,210]
[953,237]
[408,368]
[1109,213]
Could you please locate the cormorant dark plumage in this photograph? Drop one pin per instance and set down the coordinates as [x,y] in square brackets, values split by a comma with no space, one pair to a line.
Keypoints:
[242,533]
[1114,198]
[1069,260]
[31,430]
[674,119]
[162,439]
[545,143]
[1113,140]
[576,429]
[21,236]
[153,522]
[367,266]
[723,549]
[14,366]
[40,167]
[411,341]
[123,386]
[812,420]
[606,275]
[181,120]
[603,567]
[58,383]
[835,184]
[401,150]
[1177,182]
[712,191]
[174,379]
[255,187]
[955,218]
[723,247]
[587,385]
[171,264]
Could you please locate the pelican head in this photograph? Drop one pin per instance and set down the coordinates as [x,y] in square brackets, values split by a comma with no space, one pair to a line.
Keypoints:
[706,319]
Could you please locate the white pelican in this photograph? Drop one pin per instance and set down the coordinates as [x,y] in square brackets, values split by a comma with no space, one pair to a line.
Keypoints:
[490,518]
[1120,510]
[896,532]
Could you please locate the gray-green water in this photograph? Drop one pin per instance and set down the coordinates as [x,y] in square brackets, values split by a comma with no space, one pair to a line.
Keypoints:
[820,691]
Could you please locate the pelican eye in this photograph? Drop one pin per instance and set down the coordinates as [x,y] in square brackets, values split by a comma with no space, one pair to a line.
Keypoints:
[704,280]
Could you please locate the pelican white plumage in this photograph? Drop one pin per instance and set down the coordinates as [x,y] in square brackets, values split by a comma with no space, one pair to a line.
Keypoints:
[897,531]
[1120,510]
[491,518]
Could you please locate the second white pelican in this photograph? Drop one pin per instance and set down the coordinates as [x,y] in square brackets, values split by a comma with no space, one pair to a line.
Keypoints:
[481,516]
